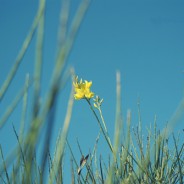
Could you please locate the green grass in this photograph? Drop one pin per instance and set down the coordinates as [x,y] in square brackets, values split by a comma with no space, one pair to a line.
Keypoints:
[132,159]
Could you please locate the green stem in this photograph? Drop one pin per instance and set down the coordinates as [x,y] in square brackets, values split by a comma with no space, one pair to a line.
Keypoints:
[104,133]
[102,119]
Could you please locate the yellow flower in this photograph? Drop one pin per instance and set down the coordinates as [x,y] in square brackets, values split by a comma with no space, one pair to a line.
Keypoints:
[82,89]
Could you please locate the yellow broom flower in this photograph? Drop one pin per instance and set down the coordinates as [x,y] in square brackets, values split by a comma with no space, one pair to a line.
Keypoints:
[82,89]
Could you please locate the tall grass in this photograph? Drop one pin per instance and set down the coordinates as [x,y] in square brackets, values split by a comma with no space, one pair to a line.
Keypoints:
[132,159]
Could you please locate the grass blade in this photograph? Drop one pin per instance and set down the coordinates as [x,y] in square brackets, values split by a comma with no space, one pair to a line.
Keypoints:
[4,165]
[21,54]
[178,160]
[13,105]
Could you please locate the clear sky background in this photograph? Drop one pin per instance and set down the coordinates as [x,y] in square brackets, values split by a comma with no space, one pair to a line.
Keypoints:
[143,39]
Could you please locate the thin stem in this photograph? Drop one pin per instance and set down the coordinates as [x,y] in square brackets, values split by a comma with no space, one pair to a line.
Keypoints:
[105,135]
[102,119]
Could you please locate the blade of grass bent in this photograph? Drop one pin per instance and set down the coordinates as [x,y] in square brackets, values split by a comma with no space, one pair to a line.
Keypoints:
[21,54]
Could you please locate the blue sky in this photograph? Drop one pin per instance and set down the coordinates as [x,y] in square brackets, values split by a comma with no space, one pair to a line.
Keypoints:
[144,40]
